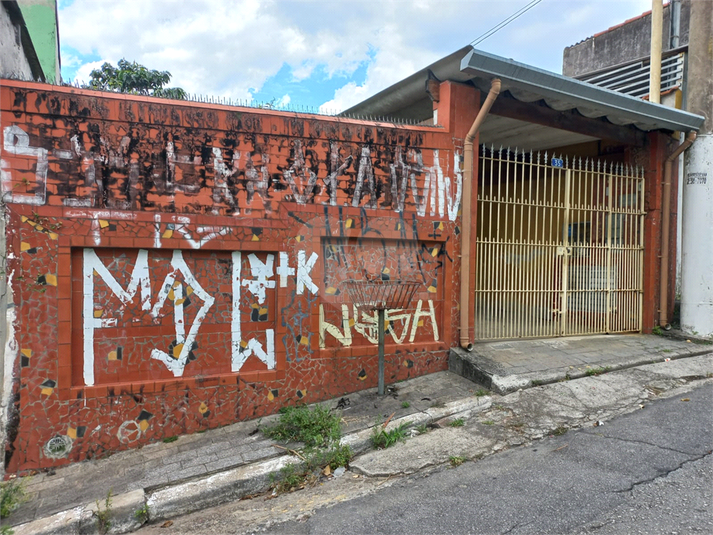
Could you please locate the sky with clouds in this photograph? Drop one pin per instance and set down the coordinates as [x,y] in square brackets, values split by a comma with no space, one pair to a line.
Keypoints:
[330,54]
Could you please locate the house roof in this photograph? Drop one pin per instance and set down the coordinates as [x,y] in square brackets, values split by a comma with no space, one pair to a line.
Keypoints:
[408,99]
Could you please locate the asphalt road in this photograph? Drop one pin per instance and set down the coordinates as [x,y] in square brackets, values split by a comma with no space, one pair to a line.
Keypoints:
[650,471]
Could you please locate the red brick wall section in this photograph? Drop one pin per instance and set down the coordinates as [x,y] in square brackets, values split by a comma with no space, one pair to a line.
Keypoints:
[179,266]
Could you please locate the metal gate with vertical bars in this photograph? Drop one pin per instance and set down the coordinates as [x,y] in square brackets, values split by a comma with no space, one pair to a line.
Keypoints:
[560,246]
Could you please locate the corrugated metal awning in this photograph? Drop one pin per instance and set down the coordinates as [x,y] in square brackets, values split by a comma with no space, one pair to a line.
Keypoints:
[408,99]
[530,84]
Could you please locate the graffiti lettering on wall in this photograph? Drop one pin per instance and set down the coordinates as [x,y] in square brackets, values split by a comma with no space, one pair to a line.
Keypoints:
[160,287]
[398,322]
[114,173]
[17,142]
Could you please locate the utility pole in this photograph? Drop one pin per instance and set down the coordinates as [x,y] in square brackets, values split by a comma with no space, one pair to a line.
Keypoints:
[656,38]
[697,232]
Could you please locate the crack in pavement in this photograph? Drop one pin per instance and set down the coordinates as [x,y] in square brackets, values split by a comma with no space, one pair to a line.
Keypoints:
[631,440]
[663,474]
[516,526]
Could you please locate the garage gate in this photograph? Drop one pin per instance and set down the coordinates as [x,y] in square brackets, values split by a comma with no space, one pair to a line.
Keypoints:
[560,246]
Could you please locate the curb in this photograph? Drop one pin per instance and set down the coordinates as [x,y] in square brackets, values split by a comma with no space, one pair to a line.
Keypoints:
[83,519]
[171,501]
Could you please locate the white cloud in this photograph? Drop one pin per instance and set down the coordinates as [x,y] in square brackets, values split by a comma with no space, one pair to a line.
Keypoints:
[283,102]
[231,47]
[86,69]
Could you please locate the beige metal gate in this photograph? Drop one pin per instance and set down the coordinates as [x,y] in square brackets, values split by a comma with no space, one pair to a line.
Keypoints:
[560,246]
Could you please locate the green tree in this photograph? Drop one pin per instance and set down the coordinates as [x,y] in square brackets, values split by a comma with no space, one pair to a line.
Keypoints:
[132,77]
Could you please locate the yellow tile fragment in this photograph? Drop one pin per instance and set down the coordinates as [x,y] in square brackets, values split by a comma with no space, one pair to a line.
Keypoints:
[177,350]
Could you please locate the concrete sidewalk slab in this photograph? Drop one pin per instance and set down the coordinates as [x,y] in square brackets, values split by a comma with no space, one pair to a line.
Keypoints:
[523,416]
[506,366]
[192,457]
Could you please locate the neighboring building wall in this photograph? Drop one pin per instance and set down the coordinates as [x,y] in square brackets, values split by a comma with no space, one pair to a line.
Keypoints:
[697,243]
[41,21]
[626,42]
[13,57]
[181,266]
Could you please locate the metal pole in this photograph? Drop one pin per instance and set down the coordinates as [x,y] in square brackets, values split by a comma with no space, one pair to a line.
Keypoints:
[382,314]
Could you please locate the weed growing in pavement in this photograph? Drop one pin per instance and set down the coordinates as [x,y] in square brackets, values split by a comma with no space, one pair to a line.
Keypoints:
[336,456]
[291,476]
[316,428]
[316,460]
[597,371]
[488,422]
[657,330]
[405,405]
[319,429]
[142,514]
[456,460]
[422,429]
[104,516]
[536,382]
[168,440]
[12,495]
[458,422]
[481,392]
[382,439]
[559,431]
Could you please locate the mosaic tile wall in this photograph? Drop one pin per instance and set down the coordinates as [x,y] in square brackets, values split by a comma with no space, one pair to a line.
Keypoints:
[176,266]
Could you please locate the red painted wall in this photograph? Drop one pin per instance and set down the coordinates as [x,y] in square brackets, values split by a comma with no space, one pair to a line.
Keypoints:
[179,266]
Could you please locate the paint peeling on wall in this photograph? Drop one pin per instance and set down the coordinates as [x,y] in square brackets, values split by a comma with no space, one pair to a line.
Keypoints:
[145,178]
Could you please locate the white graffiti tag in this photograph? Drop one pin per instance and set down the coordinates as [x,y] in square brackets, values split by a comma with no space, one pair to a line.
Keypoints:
[184,344]
[178,285]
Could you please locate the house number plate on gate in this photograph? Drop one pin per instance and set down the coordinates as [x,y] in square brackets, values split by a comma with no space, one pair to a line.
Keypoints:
[557,162]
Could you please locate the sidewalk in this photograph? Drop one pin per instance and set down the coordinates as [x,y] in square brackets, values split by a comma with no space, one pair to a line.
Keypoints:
[509,365]
[229,463]
[157,465]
